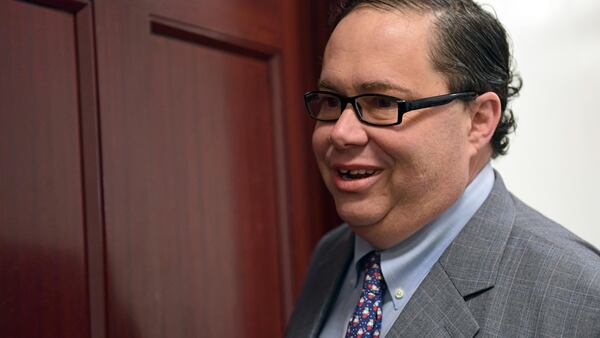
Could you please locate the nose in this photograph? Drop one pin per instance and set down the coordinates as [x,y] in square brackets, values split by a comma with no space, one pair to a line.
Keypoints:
[348,131]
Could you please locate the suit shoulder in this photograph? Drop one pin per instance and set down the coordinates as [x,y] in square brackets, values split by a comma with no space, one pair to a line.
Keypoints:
[561,269]
[327,266]
[330,238]
[538,233]
[548,283]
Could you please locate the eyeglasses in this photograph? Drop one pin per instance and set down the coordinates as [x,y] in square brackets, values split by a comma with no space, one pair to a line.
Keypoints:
[372,109]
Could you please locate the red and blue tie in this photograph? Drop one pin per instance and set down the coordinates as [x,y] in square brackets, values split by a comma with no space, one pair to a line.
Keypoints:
[366,319]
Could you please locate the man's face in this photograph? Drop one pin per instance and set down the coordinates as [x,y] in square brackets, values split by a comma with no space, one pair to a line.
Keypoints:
[409,173]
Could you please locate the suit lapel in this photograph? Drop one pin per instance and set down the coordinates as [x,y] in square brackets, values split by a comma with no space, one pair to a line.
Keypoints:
[467,269]
[323,284]
[436,309]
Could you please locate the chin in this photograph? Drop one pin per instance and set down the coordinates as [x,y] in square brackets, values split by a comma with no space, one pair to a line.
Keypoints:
[358,216]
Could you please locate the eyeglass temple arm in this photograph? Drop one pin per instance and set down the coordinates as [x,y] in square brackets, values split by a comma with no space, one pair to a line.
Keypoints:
[433,101]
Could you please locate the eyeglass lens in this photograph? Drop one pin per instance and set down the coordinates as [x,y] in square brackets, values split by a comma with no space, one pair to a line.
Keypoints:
[374,109]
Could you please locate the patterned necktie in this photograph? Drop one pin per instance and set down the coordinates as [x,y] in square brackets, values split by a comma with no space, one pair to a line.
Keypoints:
[366,319]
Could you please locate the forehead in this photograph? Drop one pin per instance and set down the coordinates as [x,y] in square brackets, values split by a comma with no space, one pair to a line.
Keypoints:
[375,46]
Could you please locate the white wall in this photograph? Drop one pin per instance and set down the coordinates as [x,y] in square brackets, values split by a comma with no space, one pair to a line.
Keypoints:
[554,161]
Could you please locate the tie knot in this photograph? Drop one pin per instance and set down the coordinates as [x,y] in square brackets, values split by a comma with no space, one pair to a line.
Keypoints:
[371,259]
[373,276]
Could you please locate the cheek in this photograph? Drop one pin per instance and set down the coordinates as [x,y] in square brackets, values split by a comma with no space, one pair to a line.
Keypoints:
[401,148]
[427,151]
[446,135]
[445,154]
[321,145]
[320,141]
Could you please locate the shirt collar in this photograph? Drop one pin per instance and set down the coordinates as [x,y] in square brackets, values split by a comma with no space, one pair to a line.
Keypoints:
[406,264]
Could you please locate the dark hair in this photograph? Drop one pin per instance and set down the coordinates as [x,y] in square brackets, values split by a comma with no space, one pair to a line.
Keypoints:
[471,48]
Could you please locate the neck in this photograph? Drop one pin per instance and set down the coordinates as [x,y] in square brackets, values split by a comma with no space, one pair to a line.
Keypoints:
[401,223]
[478,162]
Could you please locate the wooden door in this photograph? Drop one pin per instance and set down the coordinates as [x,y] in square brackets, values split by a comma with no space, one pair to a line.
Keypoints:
[191,188]
[197,123]
[156,177]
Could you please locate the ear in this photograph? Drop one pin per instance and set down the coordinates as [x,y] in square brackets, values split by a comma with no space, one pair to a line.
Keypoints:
[485,115]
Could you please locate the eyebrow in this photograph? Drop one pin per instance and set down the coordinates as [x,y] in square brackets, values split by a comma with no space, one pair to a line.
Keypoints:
[371,86]
[323,84]
[379,86]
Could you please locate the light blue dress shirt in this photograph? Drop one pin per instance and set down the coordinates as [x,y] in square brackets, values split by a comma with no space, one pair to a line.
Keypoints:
[405,265]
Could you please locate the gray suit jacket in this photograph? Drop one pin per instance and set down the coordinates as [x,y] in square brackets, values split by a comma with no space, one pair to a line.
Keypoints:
[511,272]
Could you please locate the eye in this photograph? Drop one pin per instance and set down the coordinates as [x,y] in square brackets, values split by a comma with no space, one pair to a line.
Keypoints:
[331,102]
[384,102]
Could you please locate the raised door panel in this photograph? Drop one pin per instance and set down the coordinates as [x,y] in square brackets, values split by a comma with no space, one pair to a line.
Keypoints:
[42,233]
[255,20]
[190,175]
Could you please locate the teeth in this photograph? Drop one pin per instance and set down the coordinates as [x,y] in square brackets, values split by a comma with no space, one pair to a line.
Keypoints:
[357,172]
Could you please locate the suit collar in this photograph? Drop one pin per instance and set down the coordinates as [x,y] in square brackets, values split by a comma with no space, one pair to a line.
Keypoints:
[472,260]
[467,268]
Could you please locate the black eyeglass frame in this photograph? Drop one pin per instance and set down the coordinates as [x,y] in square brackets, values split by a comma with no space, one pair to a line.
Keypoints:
[404,106]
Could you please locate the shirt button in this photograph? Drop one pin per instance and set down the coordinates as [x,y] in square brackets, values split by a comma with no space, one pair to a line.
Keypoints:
[399,293]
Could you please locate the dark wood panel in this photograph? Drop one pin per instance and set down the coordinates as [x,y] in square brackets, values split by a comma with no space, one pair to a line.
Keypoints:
[92,169]
[42,248]
[190,184]
[256,20]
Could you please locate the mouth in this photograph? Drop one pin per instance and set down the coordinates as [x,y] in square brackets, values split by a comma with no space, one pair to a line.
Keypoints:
[356,174]
[354,178]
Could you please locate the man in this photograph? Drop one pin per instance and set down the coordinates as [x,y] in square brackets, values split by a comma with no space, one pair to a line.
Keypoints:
[411,107]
